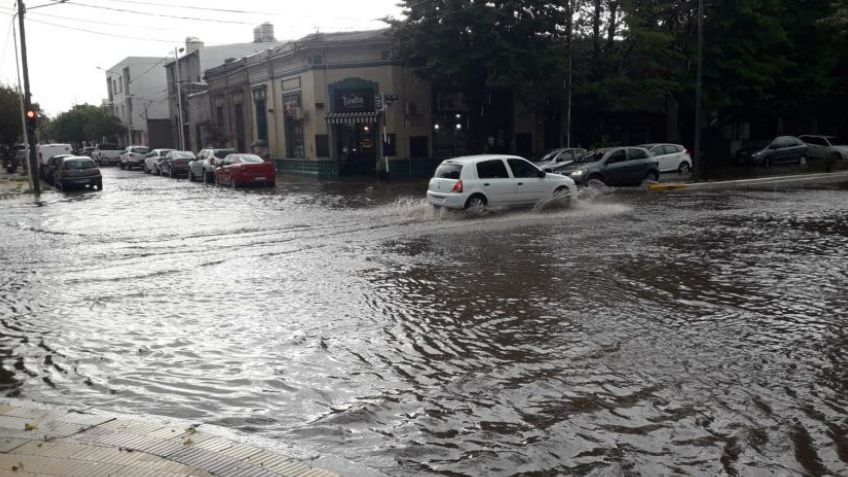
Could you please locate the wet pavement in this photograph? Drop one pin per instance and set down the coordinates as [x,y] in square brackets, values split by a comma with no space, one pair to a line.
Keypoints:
[638,334]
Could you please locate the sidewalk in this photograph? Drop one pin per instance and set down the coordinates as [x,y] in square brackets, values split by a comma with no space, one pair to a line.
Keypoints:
[47,441]
[12,185]
[772,182]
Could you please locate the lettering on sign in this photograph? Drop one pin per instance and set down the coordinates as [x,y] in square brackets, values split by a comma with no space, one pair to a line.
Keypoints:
[353,100]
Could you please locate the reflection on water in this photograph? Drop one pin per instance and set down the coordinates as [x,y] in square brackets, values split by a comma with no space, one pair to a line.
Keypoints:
[623,334]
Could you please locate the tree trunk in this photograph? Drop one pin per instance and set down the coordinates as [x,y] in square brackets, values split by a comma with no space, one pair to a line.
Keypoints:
[596,37]
[613,7]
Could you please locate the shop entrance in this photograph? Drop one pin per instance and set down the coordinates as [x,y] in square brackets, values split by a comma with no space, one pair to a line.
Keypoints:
[356,148]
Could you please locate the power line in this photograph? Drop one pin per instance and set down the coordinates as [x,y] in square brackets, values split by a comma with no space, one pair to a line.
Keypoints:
[114,35]
[150,69]
[191,7]
[160,15]
[111,23]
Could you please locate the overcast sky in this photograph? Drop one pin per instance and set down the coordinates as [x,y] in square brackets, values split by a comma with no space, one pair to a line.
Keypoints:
[63,59]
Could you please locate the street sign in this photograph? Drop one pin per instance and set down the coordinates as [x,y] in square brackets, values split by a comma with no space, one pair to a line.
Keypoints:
[390,98]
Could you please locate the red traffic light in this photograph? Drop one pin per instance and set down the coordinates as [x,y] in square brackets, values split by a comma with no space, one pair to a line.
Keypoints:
[31,115]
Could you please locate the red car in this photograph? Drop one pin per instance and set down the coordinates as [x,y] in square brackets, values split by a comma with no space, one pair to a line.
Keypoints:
[244,169]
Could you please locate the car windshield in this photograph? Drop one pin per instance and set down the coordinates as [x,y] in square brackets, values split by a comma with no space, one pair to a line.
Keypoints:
[448,170]
[79,164]
[140,150]
[592,156]
[222,153]
[109,147]
[549,156]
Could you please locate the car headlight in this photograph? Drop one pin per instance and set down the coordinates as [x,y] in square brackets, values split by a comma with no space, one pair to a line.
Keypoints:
[578,172]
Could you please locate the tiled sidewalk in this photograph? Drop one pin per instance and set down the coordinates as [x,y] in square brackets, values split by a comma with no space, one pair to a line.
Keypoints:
[59,442]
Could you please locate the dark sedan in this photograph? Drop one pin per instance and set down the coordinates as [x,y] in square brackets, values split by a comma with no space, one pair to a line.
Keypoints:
[615,166]
[176,163]
[780,150]
[77,172]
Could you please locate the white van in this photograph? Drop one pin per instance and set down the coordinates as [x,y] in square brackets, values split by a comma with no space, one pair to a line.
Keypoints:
[46,151]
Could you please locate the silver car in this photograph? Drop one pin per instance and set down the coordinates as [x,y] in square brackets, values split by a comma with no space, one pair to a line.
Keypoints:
[203,167]
[559,157]
[826,147]
[153,160]
[133,156]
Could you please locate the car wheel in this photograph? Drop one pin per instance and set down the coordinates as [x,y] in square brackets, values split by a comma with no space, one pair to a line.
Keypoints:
[475,203]
[595,177]
[684,168]
[652,176]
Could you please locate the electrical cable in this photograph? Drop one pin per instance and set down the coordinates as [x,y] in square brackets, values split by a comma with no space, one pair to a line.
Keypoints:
[114,35]
[191,7]
[160,15]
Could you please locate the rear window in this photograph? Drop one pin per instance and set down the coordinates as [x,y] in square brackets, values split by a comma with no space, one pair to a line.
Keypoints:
[222,153]
[450,170]
[79,164]
[109,147]
[140,150]
[250,159]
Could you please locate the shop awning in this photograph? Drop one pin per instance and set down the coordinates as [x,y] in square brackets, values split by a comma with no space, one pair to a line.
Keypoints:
[353,118]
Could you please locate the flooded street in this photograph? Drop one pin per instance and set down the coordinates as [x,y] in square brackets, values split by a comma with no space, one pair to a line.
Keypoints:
[638,334]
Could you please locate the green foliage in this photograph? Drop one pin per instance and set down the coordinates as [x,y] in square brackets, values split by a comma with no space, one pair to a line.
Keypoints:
[10,116]
[85,122]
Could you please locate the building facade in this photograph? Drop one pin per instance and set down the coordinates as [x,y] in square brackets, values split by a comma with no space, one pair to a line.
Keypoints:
[137,95]
[184,77]
[338,104]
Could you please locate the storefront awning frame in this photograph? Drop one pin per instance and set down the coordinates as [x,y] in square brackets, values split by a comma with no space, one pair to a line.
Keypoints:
[353,118]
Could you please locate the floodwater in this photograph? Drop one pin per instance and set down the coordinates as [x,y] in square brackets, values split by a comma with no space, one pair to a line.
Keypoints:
[631,334]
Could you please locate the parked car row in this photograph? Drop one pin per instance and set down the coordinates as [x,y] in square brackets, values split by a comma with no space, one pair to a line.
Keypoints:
[791,150]
[219,166]
[670,157]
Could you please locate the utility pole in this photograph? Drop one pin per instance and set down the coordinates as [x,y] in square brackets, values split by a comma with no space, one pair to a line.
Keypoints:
[34,180]
[179,100]
[700,165]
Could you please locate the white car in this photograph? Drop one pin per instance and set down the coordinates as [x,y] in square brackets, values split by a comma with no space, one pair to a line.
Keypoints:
[153,159]
[474,182]
[671,157]
[826,147]
[133,156]
[203,167]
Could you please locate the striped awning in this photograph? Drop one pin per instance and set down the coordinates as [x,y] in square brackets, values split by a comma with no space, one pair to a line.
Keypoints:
[353,118]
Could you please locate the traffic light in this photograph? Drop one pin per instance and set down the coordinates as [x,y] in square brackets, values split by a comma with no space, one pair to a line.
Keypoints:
[31,118]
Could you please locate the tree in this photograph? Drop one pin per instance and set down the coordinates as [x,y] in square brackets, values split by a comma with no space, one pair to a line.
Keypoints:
[10,116]
[464,46]
[85,122]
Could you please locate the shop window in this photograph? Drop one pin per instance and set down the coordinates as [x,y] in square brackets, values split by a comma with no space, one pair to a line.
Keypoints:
[390,146]
[293,125]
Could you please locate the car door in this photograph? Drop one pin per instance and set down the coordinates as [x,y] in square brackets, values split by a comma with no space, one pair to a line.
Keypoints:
[495,181]
[639,162]
[817,147]
[796,149]
[530,185]
[615,167]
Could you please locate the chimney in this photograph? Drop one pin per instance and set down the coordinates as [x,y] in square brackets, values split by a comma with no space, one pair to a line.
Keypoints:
[192,44]
[264,33]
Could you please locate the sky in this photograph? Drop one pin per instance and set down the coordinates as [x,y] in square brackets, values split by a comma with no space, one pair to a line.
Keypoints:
[64,59]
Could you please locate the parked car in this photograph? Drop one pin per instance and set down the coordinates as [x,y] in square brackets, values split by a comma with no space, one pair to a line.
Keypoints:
[207,160]
[671,157]
[474,182]
[77,171]
[133,156]
[153,159]
[826,147]
[85,151]
[615,166]
[559,157]
[106,154]
[782,149]
[245,169]
[48,169]
[175,163]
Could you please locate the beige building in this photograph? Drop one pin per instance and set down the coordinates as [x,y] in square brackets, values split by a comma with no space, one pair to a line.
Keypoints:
[338,104]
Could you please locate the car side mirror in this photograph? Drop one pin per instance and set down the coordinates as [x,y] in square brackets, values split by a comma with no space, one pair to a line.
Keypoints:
[542,174]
